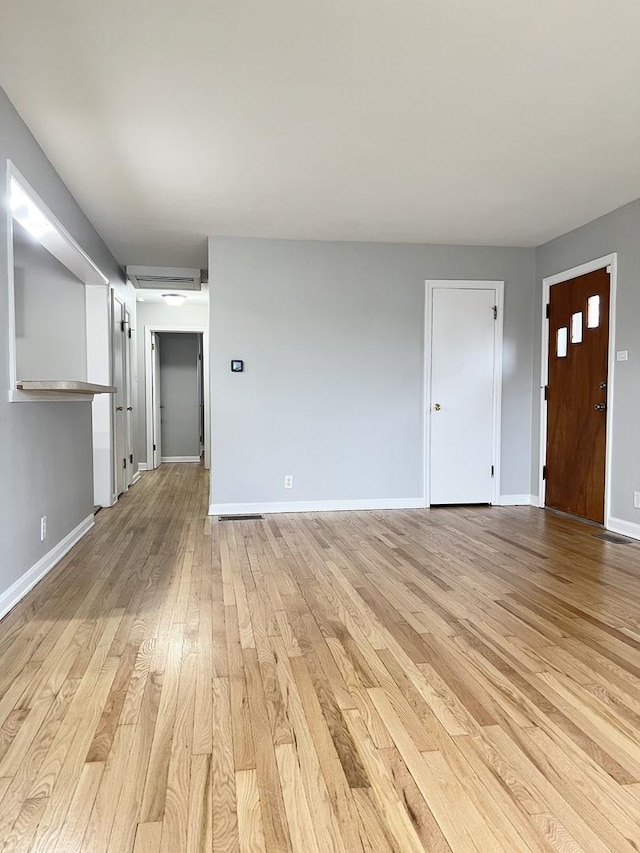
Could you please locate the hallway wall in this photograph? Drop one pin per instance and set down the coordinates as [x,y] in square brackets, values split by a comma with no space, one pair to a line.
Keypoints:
[46,450]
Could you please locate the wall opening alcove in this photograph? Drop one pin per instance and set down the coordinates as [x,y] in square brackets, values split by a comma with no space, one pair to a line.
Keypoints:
[50,311]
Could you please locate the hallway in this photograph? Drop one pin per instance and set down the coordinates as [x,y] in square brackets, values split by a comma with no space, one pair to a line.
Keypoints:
[455,680]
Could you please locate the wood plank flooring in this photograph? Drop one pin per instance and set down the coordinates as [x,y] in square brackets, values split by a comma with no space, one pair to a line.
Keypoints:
[462,680]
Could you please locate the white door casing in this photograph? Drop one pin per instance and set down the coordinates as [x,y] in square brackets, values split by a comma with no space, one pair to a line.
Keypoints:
[129,386]
[156,401]
[120,397]
[463,367]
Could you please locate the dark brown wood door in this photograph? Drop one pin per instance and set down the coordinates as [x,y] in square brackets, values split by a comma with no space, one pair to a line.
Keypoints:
[577,395]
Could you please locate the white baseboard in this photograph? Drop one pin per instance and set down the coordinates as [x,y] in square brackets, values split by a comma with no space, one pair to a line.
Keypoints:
[315,506]
[136,477]
[180,459]
[142,466]
[625,528]
[10,597]
[518,500]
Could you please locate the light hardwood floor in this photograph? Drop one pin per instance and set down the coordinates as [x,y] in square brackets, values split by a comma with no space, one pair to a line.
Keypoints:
[456,680]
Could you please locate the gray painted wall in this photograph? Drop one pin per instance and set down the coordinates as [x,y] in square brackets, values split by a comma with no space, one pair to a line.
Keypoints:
[332,337]
[179,395]
[616,232]
[156,315]
[50,315]
[46,447]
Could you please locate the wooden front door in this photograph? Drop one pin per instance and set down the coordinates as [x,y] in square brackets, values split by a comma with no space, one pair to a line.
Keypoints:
[577,395]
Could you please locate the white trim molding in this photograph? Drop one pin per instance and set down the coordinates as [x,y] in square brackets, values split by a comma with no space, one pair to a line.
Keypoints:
[142,466]
[315,506]
[609,262]
[430,286]
[10,597]
[518,500]
[624,528]
[179,458]
[136,477]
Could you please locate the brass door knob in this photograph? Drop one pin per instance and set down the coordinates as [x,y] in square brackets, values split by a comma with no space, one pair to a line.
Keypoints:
[119,408]
[436,407]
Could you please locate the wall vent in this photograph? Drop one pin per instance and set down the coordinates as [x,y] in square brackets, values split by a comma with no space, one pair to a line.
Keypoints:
[240,517]
[164,278]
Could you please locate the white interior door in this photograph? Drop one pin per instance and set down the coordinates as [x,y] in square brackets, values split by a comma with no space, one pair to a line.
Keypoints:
[120,397]
[463,413]
[156,400]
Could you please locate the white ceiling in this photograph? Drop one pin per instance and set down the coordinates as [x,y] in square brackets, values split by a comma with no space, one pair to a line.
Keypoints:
[455,121]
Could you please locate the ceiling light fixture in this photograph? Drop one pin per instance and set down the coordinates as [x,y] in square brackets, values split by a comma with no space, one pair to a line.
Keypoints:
[174,298]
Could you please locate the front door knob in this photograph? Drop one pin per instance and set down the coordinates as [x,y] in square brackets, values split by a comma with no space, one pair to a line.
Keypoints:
[436,407]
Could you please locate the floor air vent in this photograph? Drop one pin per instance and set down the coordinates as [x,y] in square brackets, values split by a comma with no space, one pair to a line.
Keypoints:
[240,517]
[611,537]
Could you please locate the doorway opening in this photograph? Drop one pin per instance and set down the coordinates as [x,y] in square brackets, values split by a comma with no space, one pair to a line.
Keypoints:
[123,360]
[177,395]
[577,390]
[463,389]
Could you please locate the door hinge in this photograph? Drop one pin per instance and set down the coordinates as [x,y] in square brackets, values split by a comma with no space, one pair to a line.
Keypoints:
[544,472]
[154,447]
[122,325]
[495,312]
[131,458]
[129,333]
[546,392]
[124,463]
[546,311]
[153,346]
[493,471]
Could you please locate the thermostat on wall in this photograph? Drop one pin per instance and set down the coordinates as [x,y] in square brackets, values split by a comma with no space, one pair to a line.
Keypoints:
[237,365]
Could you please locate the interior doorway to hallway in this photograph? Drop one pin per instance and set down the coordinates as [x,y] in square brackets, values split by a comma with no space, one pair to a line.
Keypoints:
[177,395]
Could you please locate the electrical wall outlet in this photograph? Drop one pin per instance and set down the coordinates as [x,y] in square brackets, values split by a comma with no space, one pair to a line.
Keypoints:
[636,500]
[288,481]
[43,528]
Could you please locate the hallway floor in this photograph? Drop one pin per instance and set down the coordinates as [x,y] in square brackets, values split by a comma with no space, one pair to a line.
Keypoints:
[455,680]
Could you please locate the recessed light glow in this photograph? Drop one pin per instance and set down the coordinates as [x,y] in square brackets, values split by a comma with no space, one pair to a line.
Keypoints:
[27,213]
[174,298]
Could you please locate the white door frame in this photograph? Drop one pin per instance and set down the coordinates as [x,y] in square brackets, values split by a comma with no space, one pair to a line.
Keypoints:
[118,304]
[156,404]
[204,331]
[609,262]
[430,286]
[129,431]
